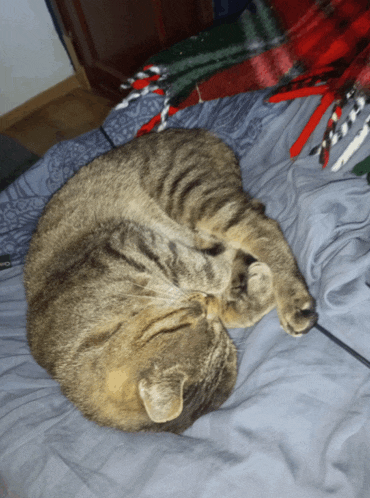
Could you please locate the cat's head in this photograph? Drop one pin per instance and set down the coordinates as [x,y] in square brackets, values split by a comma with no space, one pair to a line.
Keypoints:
[158,371]
[177,365]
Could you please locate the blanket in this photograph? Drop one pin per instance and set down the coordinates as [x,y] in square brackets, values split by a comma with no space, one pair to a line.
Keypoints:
[271,43]
[297,422]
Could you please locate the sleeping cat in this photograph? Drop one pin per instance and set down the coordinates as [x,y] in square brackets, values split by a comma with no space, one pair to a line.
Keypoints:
[138,265]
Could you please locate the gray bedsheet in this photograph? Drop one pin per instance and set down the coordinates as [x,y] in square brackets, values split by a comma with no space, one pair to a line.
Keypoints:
[298,422]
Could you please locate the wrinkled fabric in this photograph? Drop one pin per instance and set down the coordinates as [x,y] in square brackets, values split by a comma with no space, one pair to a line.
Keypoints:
[298,421]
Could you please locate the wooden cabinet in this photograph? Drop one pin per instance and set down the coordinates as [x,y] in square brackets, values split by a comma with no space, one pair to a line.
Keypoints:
[113,38]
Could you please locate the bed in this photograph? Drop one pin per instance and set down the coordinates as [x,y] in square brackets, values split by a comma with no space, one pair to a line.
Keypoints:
[298,421]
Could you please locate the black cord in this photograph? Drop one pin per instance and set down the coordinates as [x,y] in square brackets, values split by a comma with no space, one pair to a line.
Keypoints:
[107,137]
[343,345]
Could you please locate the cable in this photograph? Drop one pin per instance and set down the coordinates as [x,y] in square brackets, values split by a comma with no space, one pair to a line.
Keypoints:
[343,345]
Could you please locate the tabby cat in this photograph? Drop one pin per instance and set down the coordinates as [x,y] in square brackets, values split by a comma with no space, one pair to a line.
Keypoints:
[137,266]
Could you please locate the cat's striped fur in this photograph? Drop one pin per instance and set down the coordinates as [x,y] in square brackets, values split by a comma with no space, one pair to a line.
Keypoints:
[137,266]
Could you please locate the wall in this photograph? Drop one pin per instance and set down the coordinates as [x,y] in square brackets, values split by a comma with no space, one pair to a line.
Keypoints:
[32,58]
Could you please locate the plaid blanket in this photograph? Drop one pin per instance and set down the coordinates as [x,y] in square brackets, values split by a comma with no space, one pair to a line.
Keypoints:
[308,47]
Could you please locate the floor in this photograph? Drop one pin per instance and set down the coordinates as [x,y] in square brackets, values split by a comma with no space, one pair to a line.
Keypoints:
[66,117]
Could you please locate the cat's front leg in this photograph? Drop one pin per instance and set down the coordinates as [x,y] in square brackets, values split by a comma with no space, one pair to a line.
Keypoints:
[264,239]
[295,306]
[248,228]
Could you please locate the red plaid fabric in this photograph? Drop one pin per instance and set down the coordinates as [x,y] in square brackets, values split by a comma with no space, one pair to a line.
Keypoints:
[326,41]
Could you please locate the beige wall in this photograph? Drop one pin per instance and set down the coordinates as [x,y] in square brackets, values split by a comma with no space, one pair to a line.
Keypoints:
[32,58]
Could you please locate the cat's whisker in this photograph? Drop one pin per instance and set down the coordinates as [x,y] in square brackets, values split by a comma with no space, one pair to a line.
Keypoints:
[173,286]
[154,290]
[169,301]
[138,296]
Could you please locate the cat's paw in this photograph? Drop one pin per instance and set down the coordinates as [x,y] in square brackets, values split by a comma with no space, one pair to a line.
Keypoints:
[260,281]
[296,310]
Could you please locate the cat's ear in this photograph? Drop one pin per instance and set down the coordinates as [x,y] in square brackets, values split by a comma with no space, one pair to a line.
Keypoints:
[162,395]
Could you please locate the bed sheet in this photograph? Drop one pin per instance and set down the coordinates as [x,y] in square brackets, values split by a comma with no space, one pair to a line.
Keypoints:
[297,423]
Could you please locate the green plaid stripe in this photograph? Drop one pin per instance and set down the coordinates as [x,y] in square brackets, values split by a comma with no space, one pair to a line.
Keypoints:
[197,58]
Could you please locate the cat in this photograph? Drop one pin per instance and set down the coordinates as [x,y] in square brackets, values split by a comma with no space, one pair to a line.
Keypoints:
[138,265]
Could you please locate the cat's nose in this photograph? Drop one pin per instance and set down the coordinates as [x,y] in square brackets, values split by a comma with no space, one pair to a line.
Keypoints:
[205,304]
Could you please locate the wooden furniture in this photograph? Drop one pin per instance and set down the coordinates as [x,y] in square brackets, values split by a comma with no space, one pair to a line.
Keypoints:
[109,40]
